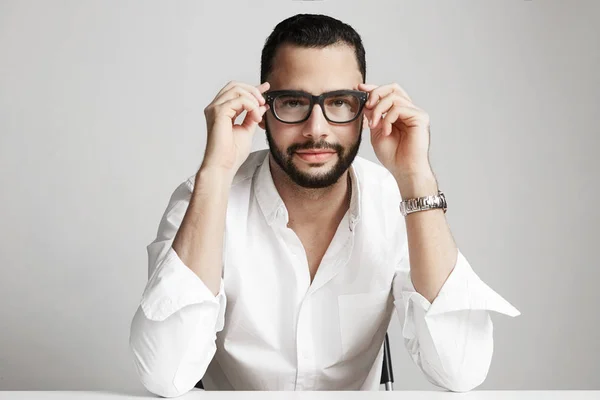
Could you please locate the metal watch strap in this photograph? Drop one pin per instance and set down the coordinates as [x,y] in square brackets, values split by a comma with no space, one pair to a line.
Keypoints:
[424,203]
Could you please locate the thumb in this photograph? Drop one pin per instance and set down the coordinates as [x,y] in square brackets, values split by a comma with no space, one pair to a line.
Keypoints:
[249,123]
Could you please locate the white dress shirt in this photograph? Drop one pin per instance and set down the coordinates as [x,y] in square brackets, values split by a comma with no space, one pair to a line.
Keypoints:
[270,328]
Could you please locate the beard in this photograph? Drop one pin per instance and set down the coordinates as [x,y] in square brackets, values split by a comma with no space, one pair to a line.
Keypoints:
[285,160]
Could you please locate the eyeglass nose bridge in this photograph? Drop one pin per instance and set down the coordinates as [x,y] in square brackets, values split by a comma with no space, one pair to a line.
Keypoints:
[320,101]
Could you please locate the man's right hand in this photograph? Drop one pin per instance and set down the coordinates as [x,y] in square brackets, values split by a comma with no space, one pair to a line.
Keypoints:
[228,145]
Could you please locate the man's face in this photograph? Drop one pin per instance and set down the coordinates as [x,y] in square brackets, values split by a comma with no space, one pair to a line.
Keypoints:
[314,71]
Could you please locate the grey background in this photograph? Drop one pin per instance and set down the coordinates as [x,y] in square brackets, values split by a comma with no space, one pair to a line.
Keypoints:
[101,117]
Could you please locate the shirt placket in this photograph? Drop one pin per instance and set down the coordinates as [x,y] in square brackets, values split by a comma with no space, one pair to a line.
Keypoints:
[305,348]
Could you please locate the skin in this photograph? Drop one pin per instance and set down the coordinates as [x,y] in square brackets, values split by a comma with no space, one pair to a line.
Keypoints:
[315,194]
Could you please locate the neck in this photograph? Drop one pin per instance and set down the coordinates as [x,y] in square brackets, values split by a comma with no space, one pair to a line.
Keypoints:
[312,207]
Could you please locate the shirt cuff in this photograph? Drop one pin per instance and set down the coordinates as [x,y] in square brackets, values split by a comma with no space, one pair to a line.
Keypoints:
[173,286]
[463,290]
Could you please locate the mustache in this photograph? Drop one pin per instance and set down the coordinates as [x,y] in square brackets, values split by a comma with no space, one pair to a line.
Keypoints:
[314,146]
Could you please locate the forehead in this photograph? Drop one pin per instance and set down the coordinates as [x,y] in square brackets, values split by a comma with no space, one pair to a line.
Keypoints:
[315,70]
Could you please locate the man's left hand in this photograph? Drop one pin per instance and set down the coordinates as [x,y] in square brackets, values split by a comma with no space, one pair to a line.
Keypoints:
[400,138]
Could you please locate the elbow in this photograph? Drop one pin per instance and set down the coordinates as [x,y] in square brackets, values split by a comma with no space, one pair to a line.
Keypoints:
[156,380]
[465,378]
[162,388]
[459,378]
[463,384]
[468,365]
[459,382]
[155,371]
[171,355]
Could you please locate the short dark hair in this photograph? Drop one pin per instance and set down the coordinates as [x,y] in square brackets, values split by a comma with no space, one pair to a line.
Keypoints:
[311,30]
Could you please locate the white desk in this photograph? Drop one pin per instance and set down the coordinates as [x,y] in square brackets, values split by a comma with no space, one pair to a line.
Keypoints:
[403,395]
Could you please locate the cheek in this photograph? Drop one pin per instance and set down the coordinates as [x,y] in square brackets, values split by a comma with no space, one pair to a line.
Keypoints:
[284,136]
[350,135]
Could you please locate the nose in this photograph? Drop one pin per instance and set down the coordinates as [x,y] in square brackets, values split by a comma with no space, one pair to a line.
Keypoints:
[316,124]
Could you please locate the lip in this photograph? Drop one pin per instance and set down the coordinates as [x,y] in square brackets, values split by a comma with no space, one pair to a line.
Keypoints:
[316,156]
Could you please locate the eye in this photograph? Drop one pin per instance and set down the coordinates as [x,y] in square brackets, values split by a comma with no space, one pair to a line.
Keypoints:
[341,101]
[291,103]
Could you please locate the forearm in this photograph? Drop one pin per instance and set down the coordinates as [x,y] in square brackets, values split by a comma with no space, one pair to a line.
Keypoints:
[432,250]
[199,240]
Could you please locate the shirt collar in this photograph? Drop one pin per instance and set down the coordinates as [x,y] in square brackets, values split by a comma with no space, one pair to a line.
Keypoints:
[273,206]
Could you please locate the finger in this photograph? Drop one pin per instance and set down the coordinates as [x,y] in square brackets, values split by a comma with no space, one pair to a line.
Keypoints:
[377,94]
[369,114]
[233,93]
[405,113]
[366,87]
[225,88]
[252,119]
[389,119]
[383,91]
[388,102]
[233,108]
[383,106]
[255,114]
[256,91]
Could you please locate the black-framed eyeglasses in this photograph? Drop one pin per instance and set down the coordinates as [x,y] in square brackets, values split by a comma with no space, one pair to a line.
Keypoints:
[295,106]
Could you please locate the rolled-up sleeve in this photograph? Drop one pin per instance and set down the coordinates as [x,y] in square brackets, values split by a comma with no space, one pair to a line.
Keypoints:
[451,339]
[173,286]
[173,332]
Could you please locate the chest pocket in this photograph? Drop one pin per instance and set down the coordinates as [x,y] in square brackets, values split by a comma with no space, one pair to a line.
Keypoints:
[361,317]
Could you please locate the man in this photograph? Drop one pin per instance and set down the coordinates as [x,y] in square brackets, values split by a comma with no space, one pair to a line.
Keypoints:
[281,269]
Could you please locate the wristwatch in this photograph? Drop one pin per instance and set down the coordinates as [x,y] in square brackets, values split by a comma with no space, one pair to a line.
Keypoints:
[424,203]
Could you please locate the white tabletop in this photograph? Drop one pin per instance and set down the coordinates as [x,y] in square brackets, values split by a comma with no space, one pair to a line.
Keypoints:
[404,395]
